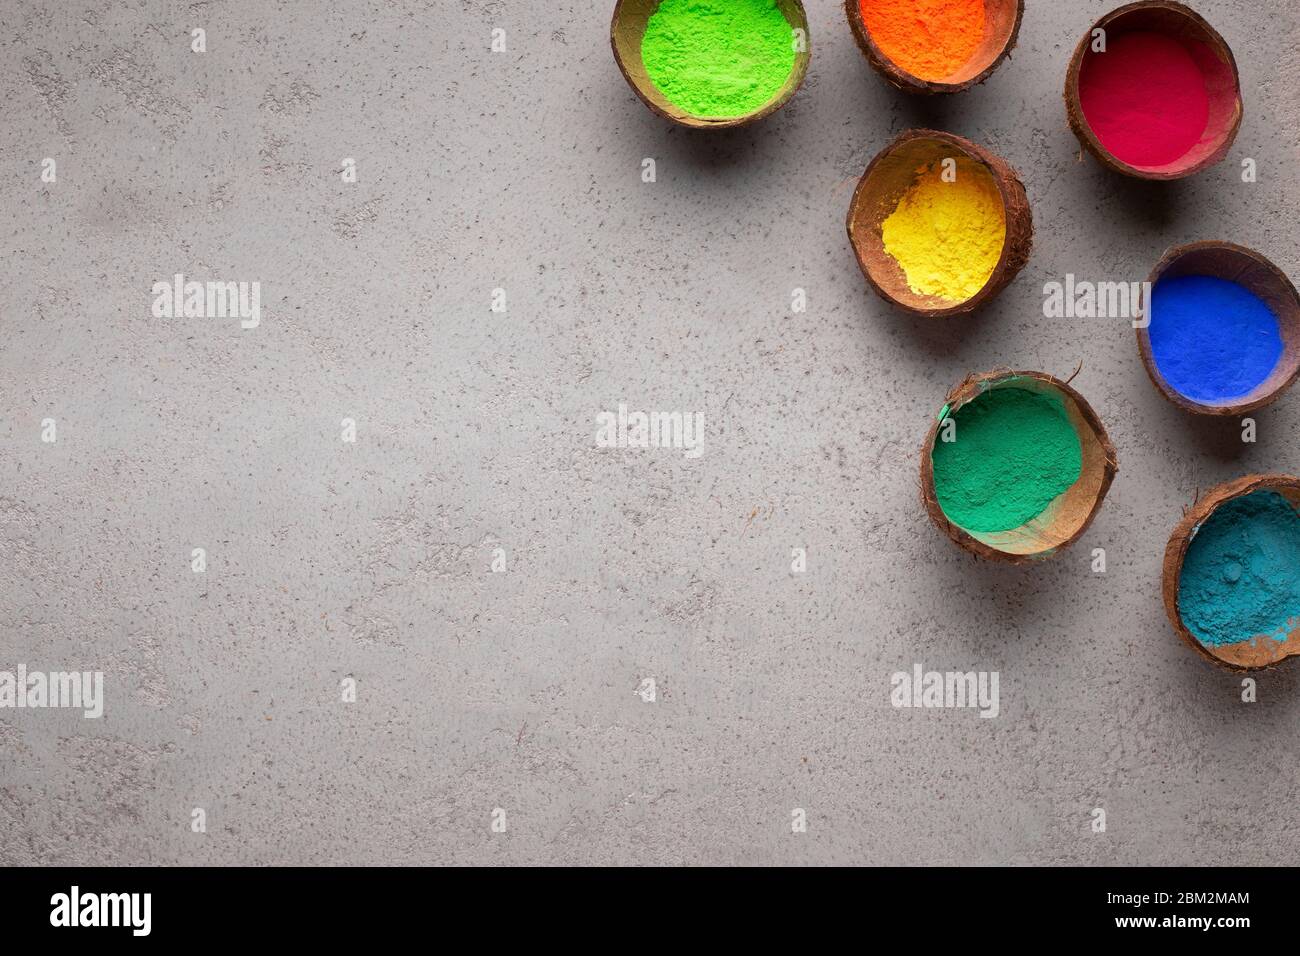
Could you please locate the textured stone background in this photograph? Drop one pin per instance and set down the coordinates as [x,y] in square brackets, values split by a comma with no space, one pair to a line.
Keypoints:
[476,431]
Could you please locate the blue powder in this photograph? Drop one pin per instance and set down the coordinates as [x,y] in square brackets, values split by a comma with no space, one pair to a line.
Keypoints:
[1241,574]
[1213,340]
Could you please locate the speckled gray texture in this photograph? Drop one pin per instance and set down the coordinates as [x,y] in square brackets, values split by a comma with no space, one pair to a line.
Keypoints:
[476,431]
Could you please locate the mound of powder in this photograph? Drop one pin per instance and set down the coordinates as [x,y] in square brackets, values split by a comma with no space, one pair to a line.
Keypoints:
[1213,340]
[1241,573]
[931,39]
[1013,452]
[948,236]
[718,58]
[1145,98]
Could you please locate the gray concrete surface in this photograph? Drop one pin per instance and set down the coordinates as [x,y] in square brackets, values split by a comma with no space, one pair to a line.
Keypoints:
[476,432]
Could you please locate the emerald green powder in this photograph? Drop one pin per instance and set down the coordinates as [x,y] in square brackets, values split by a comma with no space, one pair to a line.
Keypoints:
[1013,452]
[719,58]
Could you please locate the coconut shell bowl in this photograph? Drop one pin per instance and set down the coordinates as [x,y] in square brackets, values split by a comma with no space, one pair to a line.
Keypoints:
[1250,651]
[1065,518]
[1001,28]
[626,32]
[1213,60]
[1247,268]
[889,177]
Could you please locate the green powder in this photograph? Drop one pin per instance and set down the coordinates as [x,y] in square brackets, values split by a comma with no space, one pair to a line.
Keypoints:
[1013,452]
[719,58]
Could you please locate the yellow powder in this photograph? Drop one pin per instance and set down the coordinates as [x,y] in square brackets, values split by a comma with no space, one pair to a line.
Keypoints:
[948,236]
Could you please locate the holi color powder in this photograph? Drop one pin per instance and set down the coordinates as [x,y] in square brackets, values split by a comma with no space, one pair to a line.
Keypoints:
[930,39]
[1014,452]
[1212,340]
[1241,573]
[1145,98]
[948,236]
[718,58]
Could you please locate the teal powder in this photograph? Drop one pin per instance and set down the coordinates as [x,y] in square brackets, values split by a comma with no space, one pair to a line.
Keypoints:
[1241,573]
[1015,451]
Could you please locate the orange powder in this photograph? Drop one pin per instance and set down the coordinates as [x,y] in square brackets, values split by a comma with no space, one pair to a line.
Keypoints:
[931,39]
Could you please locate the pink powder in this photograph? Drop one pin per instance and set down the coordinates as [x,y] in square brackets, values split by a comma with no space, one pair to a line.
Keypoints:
[1144,98]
